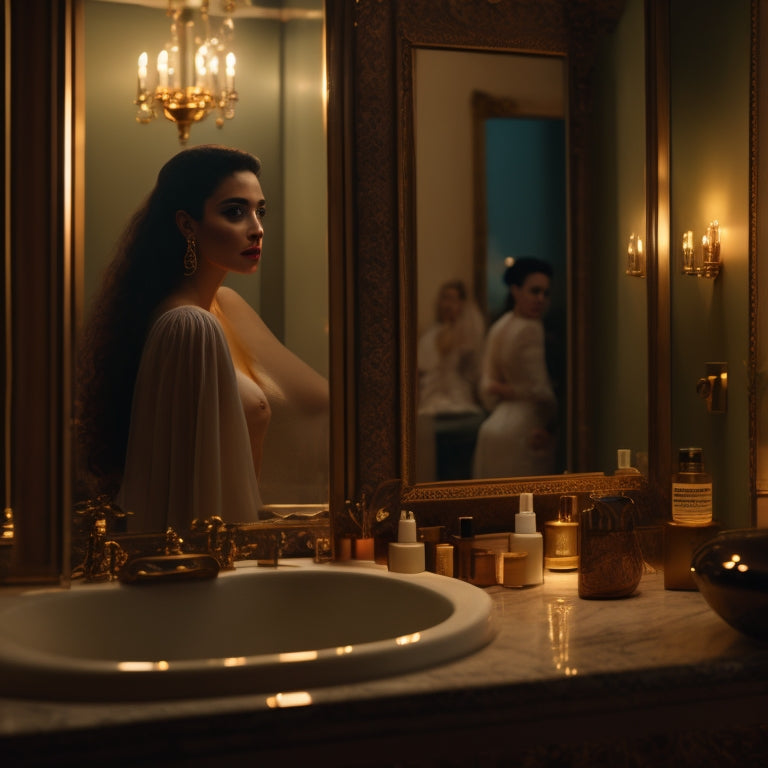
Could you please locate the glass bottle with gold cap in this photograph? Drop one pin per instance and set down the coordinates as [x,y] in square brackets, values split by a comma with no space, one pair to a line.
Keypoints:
[561,538]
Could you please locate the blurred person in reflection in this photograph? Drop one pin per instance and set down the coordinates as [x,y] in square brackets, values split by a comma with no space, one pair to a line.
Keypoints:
[449,354]
[178,375]
[517,438]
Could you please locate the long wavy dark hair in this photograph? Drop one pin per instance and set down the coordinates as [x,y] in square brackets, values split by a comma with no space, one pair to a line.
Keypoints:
[147,267]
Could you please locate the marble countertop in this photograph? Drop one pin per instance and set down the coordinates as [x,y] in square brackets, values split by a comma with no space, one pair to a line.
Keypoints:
[555,658]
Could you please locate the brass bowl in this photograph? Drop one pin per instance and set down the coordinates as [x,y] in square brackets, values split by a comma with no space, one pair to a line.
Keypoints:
[731,571]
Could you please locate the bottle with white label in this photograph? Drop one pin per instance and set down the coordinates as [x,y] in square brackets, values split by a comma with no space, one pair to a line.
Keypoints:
[691,490]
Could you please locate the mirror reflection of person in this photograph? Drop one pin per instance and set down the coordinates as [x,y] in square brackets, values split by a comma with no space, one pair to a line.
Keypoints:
[517,437]
[448,354]
[178,375]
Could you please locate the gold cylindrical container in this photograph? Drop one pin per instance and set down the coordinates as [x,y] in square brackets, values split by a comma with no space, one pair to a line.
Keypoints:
[514,568]
[483,568]
[431,536]
[561,538]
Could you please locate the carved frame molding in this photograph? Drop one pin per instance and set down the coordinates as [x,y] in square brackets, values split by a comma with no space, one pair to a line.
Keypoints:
[381,254]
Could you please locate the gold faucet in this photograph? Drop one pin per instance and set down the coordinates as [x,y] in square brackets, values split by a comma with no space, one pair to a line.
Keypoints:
[211,545]
[103,557]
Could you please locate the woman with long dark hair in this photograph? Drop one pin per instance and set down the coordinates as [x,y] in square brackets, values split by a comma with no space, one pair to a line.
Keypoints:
[177,374]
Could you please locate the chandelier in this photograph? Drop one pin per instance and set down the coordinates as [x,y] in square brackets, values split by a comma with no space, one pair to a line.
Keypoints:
[195,71]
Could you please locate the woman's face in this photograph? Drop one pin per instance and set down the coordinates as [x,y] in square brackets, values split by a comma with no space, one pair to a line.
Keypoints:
[230,233]
[449,305]
[532,297]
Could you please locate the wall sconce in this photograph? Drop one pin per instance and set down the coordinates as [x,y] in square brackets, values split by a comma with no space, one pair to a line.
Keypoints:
[713,387]
[635,257]
[188,83]
[704,263]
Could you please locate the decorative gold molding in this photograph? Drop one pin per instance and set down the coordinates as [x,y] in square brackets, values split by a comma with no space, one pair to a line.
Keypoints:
[385,34]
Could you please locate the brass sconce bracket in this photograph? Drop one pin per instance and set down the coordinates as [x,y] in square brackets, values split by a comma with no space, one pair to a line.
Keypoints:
[713,387]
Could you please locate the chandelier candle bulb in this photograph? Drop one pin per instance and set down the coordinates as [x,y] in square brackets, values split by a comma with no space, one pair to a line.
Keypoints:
[230,71]
[143,59]
[162,69]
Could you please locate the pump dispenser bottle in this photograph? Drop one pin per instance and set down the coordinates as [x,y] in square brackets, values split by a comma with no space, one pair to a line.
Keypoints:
[527,539]
[406,555]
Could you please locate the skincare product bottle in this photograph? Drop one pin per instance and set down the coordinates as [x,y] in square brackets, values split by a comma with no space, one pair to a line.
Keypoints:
[527,539]
[483,568]
[431,536]
[624,463]
[406,555]
[691,490]
[463,544]
[444,559]
[561,538]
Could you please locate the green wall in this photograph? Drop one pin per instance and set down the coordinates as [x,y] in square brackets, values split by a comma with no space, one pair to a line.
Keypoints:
[279,118]
[620,319]
[710,179]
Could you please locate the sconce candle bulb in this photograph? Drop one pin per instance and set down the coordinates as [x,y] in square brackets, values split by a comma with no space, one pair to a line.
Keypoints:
[707,262]
[635,257]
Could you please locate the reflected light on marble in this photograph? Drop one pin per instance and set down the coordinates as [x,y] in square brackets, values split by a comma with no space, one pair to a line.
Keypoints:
[143,666]
[290,699]
[295,656]
[559,618]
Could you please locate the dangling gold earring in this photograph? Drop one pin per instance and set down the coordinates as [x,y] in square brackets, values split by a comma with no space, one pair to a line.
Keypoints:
[190,257]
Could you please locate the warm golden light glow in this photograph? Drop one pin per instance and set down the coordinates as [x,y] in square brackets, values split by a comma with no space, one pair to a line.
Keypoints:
[234,661]
[143,666]
[408,639]
[298,656]
[290,699]
[635,257]
[705,262]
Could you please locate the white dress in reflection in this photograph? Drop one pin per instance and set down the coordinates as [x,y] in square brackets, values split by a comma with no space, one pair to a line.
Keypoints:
[449,370]
[207,385]
[515,439]
[189,453]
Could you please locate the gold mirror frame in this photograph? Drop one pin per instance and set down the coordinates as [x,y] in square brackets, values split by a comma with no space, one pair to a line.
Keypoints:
[379,407]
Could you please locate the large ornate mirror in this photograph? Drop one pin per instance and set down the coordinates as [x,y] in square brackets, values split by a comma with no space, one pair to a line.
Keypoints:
[280,118]
[597,45]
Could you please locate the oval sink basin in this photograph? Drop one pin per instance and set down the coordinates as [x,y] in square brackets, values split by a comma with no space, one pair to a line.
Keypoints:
[252,630]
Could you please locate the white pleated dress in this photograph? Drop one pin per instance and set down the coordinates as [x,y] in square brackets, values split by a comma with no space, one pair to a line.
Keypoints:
[189,454]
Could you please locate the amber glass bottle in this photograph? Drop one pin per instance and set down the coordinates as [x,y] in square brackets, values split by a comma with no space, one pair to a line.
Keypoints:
[691,490]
